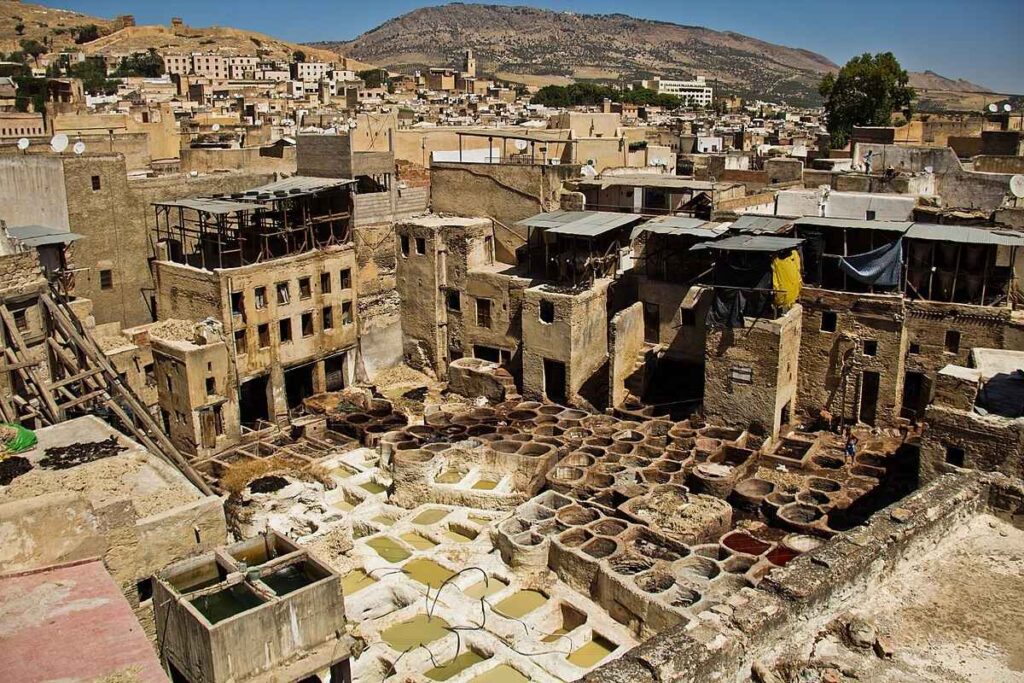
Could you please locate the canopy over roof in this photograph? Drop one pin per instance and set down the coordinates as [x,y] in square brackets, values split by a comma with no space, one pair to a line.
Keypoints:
[763,243]
[580,223]
[218,207]
[294,187]
[963,234]
[759,224]
[681,225]
[41,235]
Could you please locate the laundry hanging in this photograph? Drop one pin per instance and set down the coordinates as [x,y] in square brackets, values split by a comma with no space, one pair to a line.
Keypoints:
[786,279]
[879,267]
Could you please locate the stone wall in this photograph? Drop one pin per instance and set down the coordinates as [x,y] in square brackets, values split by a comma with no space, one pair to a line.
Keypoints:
[626,340]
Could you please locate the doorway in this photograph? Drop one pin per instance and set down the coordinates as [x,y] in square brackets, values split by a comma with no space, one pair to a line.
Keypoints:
[298,385]
[554,380]
[334,373]
[254,402]
[869,382]
[916,391]
[652,323]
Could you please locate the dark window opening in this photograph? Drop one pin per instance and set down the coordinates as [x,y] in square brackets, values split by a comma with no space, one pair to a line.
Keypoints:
[260,295]
[325,283]
[253,406]
[829,319]
[952,341]
[239,341]
[547,311]
[869,215]
[145,589]
[149,373]
[405,245]
[554,380]
[955,456]
[20,319]
[305,289]
[687,317]
[307,324]
[284,330]
[483,313]
[237,304]
[346,313]
[96,183]
[870,347]
[914,348]
[652,323]
[346,279]
[298,385]
[869,397]
[454,301]
[488,353]
[421,246]
[264,335]
[211,386]
[106,279]
[284,294]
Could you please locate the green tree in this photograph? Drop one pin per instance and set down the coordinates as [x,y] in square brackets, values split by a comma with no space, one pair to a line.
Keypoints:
[87,34]
[19,28]
[375,78]
[94,77]
[298,56]
[146,64]
[866,92]
[33,47]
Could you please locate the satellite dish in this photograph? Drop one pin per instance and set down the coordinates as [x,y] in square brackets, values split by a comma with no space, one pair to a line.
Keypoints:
[23,144]
[1017,186]
[59,143]
[993,108]
[79,148]
[1007,107]
[929,169]
[521,145]
[216,127]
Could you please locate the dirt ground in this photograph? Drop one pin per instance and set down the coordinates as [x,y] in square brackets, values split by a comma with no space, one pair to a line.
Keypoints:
[956,614]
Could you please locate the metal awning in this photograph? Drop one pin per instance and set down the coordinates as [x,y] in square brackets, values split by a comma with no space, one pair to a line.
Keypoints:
[41,235]
[965,234]
[853,224]
[218,207]
[681,225]
[533,136]
[580,223]
[657,180]
[763,243]
[296,186]
[759,224]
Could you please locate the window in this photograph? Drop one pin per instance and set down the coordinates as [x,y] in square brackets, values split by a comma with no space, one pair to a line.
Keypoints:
[106,279]
[547,311]
[328,314]
[483,313]
[211,386]
[952,341]
[260,296]
[346,313]
[454,300]
[284,330]
[828,321]
[96,183]
[687,317]
[914,348]
[955,456]
[870,347]
[218,421]
[237,304]
[20,319]
[284,294]
[421,246]
[239,341]
[346,279]
[149,373]
[325,283]
[170,384]
[405,245]
[264,334]
[869,215]
[307,324]
[741,374]
[305,290]
[145,589]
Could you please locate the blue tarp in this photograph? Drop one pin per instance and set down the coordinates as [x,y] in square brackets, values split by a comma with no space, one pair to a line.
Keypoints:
[879,266]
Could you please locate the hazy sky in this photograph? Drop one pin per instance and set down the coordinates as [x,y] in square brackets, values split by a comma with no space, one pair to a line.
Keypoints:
[980,40]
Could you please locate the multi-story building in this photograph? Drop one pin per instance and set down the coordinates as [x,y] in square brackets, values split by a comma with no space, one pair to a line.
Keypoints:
[696,92]
[241,68]
[311,72]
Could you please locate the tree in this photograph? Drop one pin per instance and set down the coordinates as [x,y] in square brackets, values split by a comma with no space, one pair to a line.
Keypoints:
[33,47]
[94,77]
[375,78]
[298,56]
[145,64]
[19,28]
[87,34]
[866,92]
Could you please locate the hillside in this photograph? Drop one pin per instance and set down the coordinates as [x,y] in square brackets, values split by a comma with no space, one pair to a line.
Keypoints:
[512,42]
[58,28]
[929,80]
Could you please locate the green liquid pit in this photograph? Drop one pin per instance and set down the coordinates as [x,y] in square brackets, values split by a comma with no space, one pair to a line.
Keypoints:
[226,603]
[355,581]
[373,487]
[343,472]
[429,517]
[480,520]
[342,505]
[480,590]
[418,542]
[591,653]
[449,477]
[520,604]
[389,549]
[485,485]
[420,630]
[427,572]
[458,536]
[382,519]
[503,673]
[454,667]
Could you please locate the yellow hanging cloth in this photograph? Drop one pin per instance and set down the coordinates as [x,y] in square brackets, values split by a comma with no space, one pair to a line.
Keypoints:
[786,280]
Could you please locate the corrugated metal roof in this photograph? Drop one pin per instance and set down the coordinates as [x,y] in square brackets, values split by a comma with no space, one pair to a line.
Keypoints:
[41,235]
[765,243]
[207,205]
[580,223]
[965,234]
[681,225]
[296,186]
[653,180]
[749,223]
[817,222]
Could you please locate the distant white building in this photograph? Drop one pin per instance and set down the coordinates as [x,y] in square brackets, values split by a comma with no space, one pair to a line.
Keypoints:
[696,92]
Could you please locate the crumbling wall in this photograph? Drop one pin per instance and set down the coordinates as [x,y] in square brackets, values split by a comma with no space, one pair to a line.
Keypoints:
[986,443]
[626,340]
[929,321]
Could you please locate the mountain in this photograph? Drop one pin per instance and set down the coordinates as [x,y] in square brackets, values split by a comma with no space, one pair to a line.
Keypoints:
[58,29]
[539,46]
[929,80]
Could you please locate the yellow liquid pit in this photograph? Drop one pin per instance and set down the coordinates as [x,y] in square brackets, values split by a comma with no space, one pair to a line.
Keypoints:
[342,505]
[418,542]
[420,630]
[555,635]
[449,477]
[454,667]
[479,520]
[355,581]
[485,485]
[479,590]
[427,572]
[343,472]
[373,487]
[389,549]
[503,673]
[591,653]
[520,604]
[381,519]
[458,536]
[430,517]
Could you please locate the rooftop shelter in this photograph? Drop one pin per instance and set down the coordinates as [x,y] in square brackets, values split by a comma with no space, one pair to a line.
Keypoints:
[579,246]
[521,148]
